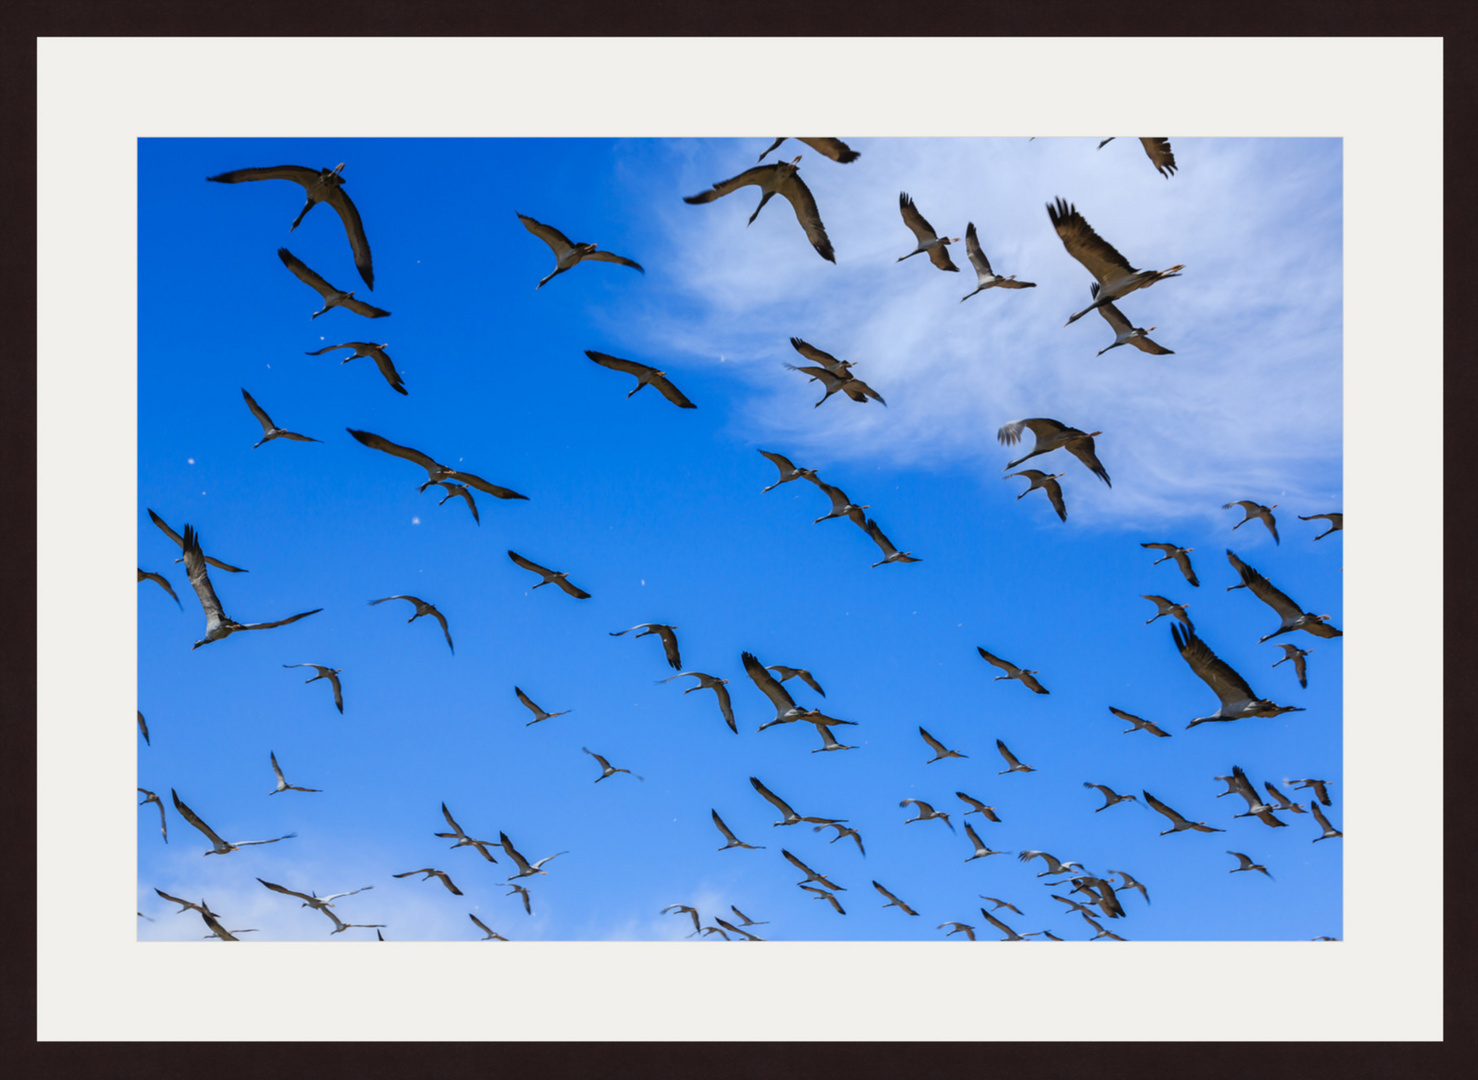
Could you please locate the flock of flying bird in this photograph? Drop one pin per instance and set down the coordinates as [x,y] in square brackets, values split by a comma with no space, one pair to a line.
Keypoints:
[1113,279]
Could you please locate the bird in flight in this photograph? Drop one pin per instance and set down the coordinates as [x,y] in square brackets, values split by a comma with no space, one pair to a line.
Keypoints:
[999,904]
[1236,697]
[453,490]
[568,255]
[430,873]
[940,750]
[645,376]
[977,807]
[833,381]
[926,812]
[780,178]
[1012,764]
[788,470]
[987,278]
[269,429]
[733,841]
[492,935]
[217,624]
[375,352]
[1115,276]
[282,784]
[828,740]
[663,631]
[1319,788]
[331,674]
[959,928]
[463,840]
[1246,863]
[1047,483]
[219,846]
[332,297]
[143,728]
[1182,557]
[422,608]
[1330,832]
[180,542]
[893,901]
[841,505]
[150,797]
[890,553]
[539,714]
[1025,677]
[159,579]
[982,850]
[717,685]
[786,710]
[685,909]
[1255,510]
[822,894]
[1157,150]
[436,471]
[1011,935]
[811,875]
[788,673]
[1336,523]
[1051,434]
[1178,823]
[835,149]
[1139,724]
[1300,666]
[1124,334]
[1282,800]
[790,816]
[320,185]
[515,889]
[551,577]
[842,830]
[929,241]
[1167,608]
[1111,797]
[1294,618]
[525,868]
[607,769]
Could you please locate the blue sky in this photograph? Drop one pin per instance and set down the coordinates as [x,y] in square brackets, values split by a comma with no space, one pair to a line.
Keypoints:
[658,513]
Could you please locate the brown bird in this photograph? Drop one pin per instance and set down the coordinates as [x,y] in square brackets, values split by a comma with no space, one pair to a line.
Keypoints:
[321,185]
[779,178]
[787,673]
[1330,832]
[1051,434]
[788,470]
[1167,608]
[422,608]
[1013,672]
[1115,276]
[1294,618]
[926,812]
[959,928]
[828,740]
[149,575]
[733,841]
[1248,864]
[435,470]
[1179,554]
[999,904]
[811,875]
[890,553]
[1282,800]
[718,686]
[1047,483]
[1012,765]
[842,830]
[1158,151]
[454,490]
[645,376]
[376,353]
[219,846]
[332,297]
[568,255]
[1255,510]
[269,429]
[1125,334]
[1111,797]
[217,623]
[982,850]
[539,714]
[150,797]
[664,632]
[893,901]
[430,873]
[977,807]
[822,894]
[846,382]
[331,674]
[940,750]
[1319,788]
[463,840]
[607,769]
[492,935]
[790,816]
[180,542]
[1300,666]
[1178,823]
[1236,697]
[1336,523]
[525,868]
[684,908]
[551,577]
[835,149]
[987,278]
[929,241]
[1139,724]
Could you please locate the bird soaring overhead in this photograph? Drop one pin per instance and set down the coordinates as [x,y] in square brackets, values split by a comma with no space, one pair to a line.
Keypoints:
[1157,150]
[940,750]
[788,673]
[331,674]
[217,623]
[1126,334]
[929,242]
[1236,697]
[430,873]
[422,608]
[332,297]
[159,579]
[779,178]
[539,714]
[846,382]
[790,816]
[320,185]
[282,784]
[1319,787]
[607,769]
[1115,276]
[718,686]
[926,812]
[891,554]
[180,543]
[842,832]
[463,840]
[1022,675]
[835,149]
[982,850]
[454,490]
[1047,483]
[1330,832]
[219,846]
[1336,523]
[1178,823]
[788,470]
[1012,764]
[1166,607]
[492,935]
[893,901]
[976,806]
[269,429]
[435,470]
[1255,510]
[1182,557]
[525,868]
[150,797]
[986,278]
[1294,618]
[1139,724]
[1300,666]
[1246,863]
[376,353]
[733,841]
[1051,434]
[551,577]
[645,376]
[665,633]
[811,875]
[568,255]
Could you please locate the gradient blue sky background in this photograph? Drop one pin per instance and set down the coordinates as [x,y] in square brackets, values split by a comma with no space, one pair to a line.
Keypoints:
[658,512]
[844,463]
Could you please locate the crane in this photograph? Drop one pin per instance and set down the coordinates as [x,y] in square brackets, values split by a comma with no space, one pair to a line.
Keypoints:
[376,353]
[1051,434]
[218,846]
[551,577]
[218,624]
[1236,697]
[331,674]
[422,608]
[332,296]
[1116,278]
[986,278]
[568,255]
[645,376]
[778,178]
[929,242]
